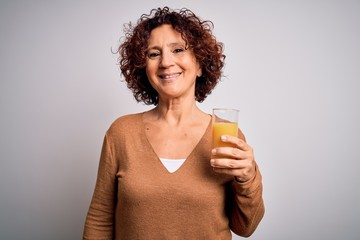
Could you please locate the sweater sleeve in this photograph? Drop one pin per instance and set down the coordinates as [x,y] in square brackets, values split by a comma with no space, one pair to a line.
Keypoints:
[246,205]
[99,222]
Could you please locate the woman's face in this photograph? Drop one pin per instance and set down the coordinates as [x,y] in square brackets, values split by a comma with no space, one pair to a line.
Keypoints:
[170,67]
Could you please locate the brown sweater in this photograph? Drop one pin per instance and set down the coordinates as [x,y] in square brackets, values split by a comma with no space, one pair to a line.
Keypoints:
[135,196]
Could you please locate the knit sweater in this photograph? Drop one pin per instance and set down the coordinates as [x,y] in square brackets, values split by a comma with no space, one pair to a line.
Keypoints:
[135,197]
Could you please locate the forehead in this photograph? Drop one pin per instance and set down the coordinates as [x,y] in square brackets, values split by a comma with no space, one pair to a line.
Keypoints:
[165,34]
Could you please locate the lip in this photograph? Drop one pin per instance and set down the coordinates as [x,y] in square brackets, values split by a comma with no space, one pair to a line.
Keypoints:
[169,76]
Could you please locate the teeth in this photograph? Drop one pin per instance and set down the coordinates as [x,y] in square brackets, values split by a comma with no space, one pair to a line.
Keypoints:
[169,76]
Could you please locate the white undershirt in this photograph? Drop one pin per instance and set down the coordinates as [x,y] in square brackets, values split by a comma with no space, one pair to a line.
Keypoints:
[172,164]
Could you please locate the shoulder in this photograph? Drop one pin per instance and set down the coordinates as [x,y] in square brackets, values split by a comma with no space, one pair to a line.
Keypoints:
[127,119]
[125,124]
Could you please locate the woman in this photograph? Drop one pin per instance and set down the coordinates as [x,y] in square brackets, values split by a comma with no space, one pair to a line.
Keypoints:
[156,178]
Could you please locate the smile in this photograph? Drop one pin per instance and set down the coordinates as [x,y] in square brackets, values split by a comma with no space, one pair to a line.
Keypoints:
[169,76]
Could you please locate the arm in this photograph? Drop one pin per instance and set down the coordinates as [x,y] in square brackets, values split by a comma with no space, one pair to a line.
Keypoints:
[245,205]
[99,222]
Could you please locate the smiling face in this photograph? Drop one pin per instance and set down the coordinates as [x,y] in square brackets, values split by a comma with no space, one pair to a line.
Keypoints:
[170,66]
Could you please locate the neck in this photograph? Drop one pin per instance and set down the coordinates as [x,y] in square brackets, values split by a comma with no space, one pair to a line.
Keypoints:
[175,112]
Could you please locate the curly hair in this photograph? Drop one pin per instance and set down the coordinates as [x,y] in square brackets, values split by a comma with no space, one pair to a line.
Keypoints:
[197,35]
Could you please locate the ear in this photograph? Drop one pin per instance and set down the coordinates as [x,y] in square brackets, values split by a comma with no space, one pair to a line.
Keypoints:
[199,72]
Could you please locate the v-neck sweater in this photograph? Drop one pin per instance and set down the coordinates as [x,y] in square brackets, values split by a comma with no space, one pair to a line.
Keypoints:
[135,197]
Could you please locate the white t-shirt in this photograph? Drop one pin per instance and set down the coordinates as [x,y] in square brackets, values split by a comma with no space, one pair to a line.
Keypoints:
[172,164]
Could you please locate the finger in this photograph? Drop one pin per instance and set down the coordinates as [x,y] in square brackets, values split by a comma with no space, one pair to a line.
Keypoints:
[230,152]
[242,174]
[238,142]
[228,163]
[232,172]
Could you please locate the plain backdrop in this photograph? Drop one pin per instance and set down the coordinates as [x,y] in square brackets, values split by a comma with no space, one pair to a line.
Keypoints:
[292,69]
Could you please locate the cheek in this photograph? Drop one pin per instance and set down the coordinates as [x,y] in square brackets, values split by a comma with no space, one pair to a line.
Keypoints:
[197,67]
[149,69]
[150,73]
[151,65]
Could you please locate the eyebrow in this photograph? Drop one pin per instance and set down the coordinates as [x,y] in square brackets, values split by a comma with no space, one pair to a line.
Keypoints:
[174,44]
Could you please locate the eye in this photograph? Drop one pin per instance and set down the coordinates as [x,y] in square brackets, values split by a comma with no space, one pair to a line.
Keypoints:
[178,50]
[153,55]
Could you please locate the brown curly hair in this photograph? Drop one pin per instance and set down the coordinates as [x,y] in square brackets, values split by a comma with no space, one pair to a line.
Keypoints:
[197,35]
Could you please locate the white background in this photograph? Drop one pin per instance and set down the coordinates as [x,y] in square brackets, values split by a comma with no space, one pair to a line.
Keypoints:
[292,68]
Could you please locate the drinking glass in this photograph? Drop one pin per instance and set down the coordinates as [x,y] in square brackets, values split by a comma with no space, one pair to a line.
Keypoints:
[224,121]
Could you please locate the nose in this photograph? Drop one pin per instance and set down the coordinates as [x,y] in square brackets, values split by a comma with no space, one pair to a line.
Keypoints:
[166,59]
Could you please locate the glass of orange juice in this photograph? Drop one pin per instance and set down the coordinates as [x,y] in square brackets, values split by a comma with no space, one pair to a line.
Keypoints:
[224,121]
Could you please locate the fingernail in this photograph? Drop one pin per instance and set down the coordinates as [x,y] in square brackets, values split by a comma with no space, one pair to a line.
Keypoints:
[212,161]
[223,138]
[213,152]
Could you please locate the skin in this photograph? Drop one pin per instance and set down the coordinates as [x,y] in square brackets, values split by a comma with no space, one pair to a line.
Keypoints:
[171,67]
[176,124]
[237,161]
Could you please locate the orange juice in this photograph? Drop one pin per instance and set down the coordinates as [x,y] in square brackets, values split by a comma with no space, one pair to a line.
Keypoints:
[221,128]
